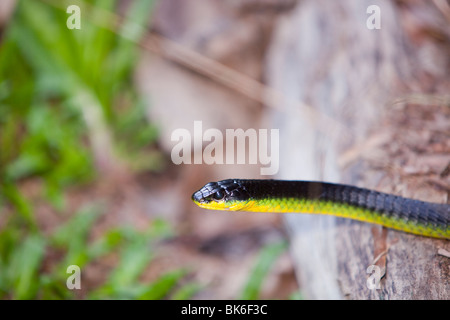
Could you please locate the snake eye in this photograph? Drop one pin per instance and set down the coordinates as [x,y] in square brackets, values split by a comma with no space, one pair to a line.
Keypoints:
[218,195]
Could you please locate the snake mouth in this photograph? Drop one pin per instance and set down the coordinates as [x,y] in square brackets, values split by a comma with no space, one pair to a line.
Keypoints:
[221,205]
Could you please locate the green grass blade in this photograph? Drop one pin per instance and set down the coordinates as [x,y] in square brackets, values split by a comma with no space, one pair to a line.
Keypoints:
[133,260]
[161,287]
[24,266]
[267,257]
[73,236]
[20,203]
[187,291]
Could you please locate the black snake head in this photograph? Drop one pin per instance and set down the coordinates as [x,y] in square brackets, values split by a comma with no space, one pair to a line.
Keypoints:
[222,195]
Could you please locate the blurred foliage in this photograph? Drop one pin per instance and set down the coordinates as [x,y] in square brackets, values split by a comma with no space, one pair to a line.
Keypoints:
[54,84]
[21,261]
[58,89]
[267,256]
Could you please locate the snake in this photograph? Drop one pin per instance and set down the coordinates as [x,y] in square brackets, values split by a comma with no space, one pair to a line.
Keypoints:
[315,197]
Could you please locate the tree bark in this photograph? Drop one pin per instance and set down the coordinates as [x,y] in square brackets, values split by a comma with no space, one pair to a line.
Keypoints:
[379,119]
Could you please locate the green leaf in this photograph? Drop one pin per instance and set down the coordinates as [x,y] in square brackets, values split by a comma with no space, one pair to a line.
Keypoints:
[73,236]
[187,291]
[20,203]
[24,266]
[162,286]
[77,227]
[108,241]
[25,165]
[267,257]
[54,288]
[9,242]
[134,259]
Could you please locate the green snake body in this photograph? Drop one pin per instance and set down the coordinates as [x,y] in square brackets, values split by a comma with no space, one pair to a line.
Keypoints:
[409,215]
